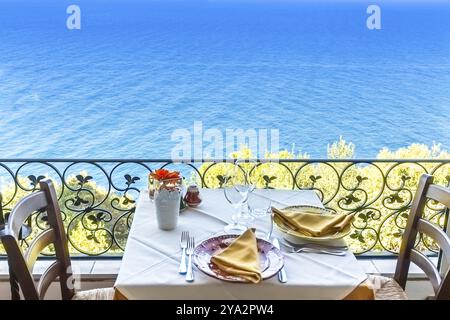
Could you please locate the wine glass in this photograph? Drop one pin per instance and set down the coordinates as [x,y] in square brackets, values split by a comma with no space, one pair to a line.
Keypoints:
[243,183]
[236,199]
[241,177]
[260,207]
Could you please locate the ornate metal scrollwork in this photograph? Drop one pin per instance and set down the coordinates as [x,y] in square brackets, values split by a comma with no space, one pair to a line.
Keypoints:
[98,197]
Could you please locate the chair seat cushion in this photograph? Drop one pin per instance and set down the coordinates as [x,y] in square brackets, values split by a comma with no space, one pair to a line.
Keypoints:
[95,294]
[387,288]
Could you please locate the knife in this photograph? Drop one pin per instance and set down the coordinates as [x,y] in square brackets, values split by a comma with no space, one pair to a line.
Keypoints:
[282,277]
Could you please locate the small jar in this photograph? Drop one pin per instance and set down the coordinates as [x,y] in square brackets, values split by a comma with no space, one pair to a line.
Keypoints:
[192,197]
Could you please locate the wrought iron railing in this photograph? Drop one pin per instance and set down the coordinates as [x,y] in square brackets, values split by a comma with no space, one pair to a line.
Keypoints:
[98,197]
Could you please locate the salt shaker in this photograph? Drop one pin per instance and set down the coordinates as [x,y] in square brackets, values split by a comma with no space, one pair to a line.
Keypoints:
[192,196]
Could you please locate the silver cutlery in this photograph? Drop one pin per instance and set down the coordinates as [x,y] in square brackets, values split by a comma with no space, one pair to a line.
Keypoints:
[313,248]
[282,277]
[190,251]
[323,251]
[315,245]
[183,244]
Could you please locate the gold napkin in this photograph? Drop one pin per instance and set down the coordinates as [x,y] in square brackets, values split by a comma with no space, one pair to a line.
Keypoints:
[312,224]
[241,258]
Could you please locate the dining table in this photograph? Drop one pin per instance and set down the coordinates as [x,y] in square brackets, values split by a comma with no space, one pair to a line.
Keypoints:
[149,268]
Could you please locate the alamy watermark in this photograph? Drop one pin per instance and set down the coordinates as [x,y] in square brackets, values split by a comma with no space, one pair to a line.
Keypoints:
[373,22]
[214,143]
[73,22]
[74,280]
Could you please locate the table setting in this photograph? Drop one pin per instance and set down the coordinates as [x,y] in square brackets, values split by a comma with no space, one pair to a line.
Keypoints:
[236,242]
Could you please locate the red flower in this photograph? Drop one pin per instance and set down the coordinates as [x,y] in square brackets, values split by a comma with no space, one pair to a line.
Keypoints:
[163,174]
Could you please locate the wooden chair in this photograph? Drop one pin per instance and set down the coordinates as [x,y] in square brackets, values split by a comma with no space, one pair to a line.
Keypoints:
[21,265]
[390,289]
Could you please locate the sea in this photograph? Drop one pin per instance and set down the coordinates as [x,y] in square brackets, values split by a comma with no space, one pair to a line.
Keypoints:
[136,71]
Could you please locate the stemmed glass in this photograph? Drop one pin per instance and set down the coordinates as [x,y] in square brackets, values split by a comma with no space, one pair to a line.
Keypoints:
[242,180]
[238,186]
[260,207]
[235,198]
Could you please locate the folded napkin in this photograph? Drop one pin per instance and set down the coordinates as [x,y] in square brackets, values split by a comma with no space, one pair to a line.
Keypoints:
[312,224]
[241,258]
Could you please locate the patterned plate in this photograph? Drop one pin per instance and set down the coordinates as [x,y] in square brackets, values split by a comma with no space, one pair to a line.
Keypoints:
[298,234]
[270,258]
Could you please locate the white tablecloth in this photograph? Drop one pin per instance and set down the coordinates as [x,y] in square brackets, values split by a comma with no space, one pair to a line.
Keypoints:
[149,267]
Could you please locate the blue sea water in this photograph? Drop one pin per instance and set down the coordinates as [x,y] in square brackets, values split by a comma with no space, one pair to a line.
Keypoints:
[137,70]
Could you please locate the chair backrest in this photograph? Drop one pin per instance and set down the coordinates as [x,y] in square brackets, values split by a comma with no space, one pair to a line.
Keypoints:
[426,191]
[21,265]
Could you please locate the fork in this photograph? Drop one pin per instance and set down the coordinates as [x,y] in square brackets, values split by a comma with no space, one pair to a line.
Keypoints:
[315,245]
[315,249]
[183,244]
[190,251]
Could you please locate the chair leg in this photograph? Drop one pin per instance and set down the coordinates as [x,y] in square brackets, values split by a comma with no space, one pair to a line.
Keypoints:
[15,293]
